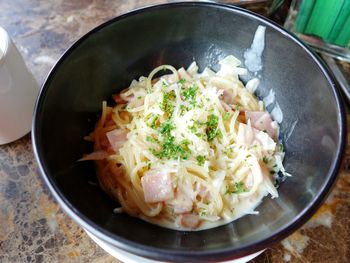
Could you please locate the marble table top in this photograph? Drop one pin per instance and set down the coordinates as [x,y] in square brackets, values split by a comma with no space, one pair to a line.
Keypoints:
[33,228]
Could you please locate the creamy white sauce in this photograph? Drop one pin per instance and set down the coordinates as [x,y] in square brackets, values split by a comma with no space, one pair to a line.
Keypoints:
[270,98]
[252,55]
[252,85]
[277,113]
[245,206]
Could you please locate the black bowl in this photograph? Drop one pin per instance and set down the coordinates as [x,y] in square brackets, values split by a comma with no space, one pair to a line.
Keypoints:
[105,61]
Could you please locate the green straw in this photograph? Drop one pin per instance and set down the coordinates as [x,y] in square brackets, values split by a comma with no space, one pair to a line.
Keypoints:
[323,17]
[304,15]
[340,23]
[343,38]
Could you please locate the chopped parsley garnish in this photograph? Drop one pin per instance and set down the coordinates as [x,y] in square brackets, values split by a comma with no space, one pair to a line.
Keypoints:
[212,127]
[193,128]
[166,104]
[272,172]
[281,147]
[200,159]
[238,106]
[171,150]
[181,81]
[182,109]
[226,116]
[168,148]
[265,159]
[238,188]
[199,123]
[185,142]
[154,122]
[189,94]
[202,212]
[151,139]
[139,97]
[166,127]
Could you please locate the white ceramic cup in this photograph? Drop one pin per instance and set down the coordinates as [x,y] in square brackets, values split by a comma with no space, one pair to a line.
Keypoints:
[18,92]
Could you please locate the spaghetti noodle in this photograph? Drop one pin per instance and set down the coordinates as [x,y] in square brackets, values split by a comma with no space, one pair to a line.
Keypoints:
[188,150]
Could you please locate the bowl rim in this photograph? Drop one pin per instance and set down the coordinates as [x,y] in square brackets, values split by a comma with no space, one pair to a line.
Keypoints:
[178,254]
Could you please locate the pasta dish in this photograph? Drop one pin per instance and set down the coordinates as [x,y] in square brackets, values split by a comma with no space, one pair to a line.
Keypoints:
[188,150]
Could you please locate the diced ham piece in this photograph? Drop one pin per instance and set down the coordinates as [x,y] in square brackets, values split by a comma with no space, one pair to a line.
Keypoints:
[262,121]
[116,138]
[190,221]
[182,203]
[248,136]
[118,99]
[157,187]
[227,97]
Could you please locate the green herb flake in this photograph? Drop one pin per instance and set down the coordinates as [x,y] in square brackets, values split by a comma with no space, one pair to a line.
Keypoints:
[153,151]
[238,106]
[151,139]
[281,147]
[199,123]
[182,109]
[265,159]
[212,127]
[238,188]
[171,150]
[200,159]
[189,94]
[139,97]
[166,104]
[185,143]
[166,128]
[153,124]
[202,212]
[192,128]
[226,116]
[181,81]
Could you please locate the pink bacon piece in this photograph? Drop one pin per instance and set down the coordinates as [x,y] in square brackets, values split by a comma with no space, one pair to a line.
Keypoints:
[190,221]
[157,187]
[117,138]
[262,121]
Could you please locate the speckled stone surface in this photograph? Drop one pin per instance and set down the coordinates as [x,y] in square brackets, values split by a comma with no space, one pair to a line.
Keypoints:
[33,228]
